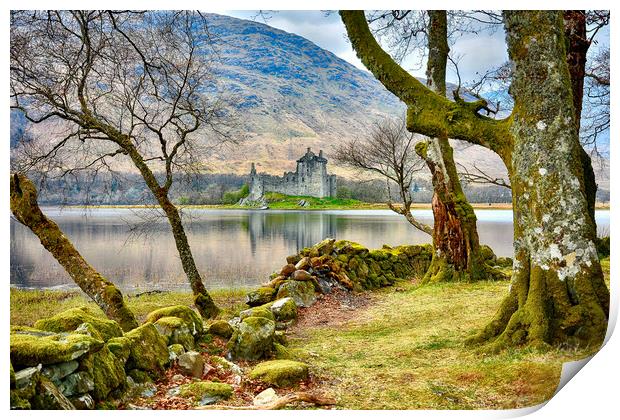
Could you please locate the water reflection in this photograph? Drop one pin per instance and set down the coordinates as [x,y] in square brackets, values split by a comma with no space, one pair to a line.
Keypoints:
[232,248]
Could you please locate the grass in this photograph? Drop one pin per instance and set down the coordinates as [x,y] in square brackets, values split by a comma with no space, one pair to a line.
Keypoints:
[28,306]
[406,352]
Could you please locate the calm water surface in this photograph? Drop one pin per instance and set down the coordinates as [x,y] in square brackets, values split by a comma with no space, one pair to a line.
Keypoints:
[232,248]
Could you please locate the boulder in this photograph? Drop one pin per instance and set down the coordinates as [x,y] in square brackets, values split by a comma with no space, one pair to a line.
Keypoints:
[174,351]
[71,319]
[148,350]
[58,371]
[287,270]
[205,392]
[301,275]
[281,373]
[293,259]
[49,397]
[224,364]
[325,247]
[284,309]
[258,311]
[191,364]
[77,383]
[26,377]
[302,292]
[31,350]
[108,372]
[187,314]
[303,264]
[176,331]
[25,389]
[260,296]
[266,397]
[220,328]
[252,340]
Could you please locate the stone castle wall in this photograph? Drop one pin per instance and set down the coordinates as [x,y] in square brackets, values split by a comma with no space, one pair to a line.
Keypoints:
[309,179]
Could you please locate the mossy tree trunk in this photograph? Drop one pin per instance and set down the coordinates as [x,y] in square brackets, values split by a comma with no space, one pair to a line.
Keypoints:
[25,208]
[557,295]
[455,236]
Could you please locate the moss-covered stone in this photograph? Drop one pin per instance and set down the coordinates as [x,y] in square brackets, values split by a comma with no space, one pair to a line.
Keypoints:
[260,296]
[302,292]
[205,392]
[29,350]
[258,311]
[71,319]
[281,373]
[175,350]
[176,331]
[148,350]
[108,372]
[120,347]
[252,339]
[139,376]
[221,328]
[187,314]
[284,309]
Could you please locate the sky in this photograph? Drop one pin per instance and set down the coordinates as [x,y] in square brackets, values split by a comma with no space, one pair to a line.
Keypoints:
[477,53]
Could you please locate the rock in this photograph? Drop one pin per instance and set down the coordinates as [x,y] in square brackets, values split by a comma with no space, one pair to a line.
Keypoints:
[287,270]
[281,352]
[301,275]
[26,377]
[206,392]
[266,397]
[120,347]
[284,309]
[77,383]
[293,259]
[303,263]
[260,296]
[220,328]
[48,397]
[187,314]
[280,337]
[174,351]
[12,376]
[108,372]
[178,378]
[138,376]
[302,292]
[71,319]
[148,350]
[325,247]
[191,364]
[27,380]
[222,363]
[281,373]
[83,402]
[258,311]
[176,331]
[253,339]
[30,350]
[59,370]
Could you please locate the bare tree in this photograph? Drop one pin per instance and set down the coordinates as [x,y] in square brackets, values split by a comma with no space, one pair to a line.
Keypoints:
[388,150]
[558,295]
[124,88]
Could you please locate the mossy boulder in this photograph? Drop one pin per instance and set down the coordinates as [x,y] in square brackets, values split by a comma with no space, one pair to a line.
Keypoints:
[108,372]
[253,339]
[187,314]
[205,392]
[176,331]
[258,311]
[174,351]
[284,309]
[58,371]
[260,296]
[30,350]
[72,318]
[77,383]
[221,328]
[49,397]
[148,350]
[302,292]
[120,347]
[281,373]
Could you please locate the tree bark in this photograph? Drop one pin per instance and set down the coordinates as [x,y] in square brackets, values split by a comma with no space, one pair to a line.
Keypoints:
[557,295]
[577,45]
[25,208]
[455,236]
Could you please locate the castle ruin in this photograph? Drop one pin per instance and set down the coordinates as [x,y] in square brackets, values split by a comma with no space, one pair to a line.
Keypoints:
[309,179]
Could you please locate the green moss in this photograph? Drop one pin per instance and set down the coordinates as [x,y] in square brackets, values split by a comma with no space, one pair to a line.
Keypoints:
[252,339]
[176,331]
[71,319]
[120,347]
[260,296]
[281,373]
[148,350]
[29,350]
[108,372]
[187,314]
[139,376]
[220,328]
[205,392]
[259,311]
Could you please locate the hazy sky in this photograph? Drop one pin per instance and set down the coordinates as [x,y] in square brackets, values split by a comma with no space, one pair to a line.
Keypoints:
[477,52]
